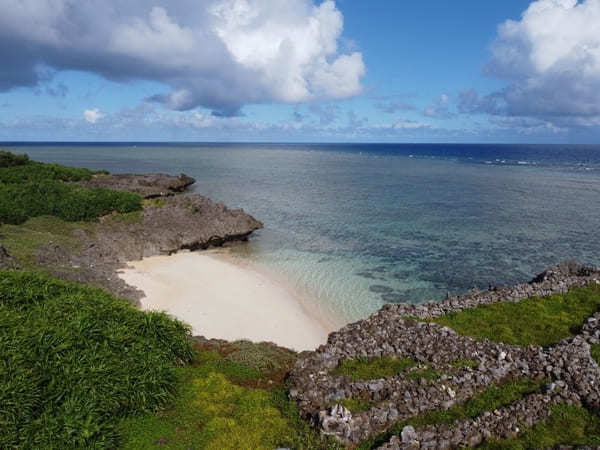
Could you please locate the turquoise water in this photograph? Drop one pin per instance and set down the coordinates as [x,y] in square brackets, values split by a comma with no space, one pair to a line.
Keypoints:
[361,225]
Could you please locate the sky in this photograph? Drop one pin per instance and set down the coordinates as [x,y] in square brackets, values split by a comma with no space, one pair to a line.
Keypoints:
[300,70]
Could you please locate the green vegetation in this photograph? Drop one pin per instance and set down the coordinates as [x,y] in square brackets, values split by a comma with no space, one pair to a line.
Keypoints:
[20,169]
[155,202]
[537,320]
[461,363]
[428,373]
[370,369]
[263,356]
[595,352]
[19,202]
[32,189]
[567,425]
[23,241]
[492,398]
[355,404]
[218,406]
[74,360]
[8,159]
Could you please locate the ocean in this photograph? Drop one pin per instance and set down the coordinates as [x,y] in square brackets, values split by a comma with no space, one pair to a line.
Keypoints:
[359,225]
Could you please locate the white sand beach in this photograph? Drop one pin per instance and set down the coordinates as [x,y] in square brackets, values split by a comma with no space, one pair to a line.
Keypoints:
[224,300]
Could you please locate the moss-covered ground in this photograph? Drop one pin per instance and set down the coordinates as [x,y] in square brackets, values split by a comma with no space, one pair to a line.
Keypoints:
[361,369]
[537,320]
[233,396]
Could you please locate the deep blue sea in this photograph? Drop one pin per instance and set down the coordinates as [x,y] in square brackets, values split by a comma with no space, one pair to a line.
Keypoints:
[360,225]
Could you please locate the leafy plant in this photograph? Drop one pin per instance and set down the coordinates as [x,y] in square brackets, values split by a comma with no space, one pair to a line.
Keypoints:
[74,360]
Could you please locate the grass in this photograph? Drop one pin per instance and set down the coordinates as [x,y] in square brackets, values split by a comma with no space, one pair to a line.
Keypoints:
[537,320]
[492,398]
[361,369]
[353,404]
[74,360]
[23,241]
[217,407]
[595,352]
[567,425]
[461,363]
[428,373]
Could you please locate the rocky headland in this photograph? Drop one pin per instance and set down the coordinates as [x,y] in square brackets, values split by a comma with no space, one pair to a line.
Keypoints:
[171,220]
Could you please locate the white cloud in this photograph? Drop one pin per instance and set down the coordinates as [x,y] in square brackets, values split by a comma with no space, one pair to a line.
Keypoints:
[439,109]
[552,58]
[220,54]
[93,115]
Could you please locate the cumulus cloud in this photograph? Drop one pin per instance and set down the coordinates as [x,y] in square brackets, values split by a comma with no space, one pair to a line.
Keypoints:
[93,115]
[551,57]
[220,54]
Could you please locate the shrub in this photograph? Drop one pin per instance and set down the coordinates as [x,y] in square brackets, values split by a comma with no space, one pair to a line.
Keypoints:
[35,171]
[8,159]
[74,360]
[19,202]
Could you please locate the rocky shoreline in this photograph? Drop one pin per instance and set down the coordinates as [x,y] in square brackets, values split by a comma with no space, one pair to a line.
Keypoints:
[172,220]
[572,375]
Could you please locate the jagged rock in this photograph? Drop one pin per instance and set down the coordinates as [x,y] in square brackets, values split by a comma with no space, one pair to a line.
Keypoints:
[148,186]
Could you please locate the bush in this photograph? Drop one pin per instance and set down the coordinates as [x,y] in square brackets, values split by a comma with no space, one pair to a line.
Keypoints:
[19,202]
[74,360]
[26,171]
[8,159]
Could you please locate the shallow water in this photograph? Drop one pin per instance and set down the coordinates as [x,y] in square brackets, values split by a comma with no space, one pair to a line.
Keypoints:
[361,225]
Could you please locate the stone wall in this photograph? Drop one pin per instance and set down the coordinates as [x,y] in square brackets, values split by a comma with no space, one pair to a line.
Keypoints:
[392,332]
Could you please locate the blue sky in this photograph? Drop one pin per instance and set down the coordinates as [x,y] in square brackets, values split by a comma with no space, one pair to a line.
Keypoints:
[300,70]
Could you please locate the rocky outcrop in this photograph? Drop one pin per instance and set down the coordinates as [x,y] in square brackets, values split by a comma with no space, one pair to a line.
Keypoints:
[177,221]
[392,332]
[187,221]
[148,186]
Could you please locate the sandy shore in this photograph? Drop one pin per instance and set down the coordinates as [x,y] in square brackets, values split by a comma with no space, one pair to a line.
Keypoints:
[224,300]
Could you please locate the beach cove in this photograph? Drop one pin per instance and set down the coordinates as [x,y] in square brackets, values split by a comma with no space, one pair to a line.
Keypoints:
[222,299]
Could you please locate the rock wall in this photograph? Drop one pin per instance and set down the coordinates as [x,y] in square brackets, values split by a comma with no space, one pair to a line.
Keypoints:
[392,332]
